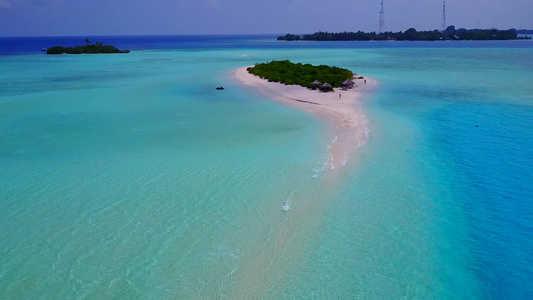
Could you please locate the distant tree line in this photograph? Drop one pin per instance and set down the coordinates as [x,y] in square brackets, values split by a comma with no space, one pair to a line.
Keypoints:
[451,33]
[98,47]
[522,31]
[290,73]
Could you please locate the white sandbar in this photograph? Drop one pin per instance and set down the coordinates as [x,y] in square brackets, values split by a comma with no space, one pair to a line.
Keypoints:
[344,112]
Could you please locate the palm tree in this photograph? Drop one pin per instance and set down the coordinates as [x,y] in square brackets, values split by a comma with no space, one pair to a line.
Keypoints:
[87,41]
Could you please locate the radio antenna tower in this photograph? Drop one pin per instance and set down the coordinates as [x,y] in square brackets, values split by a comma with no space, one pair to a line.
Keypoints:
[381,19]
[443,22]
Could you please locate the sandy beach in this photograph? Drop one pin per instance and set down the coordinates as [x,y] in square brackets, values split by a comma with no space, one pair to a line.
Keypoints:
[344,112]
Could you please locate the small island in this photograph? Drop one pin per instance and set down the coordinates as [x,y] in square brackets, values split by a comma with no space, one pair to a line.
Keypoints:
[90,48]
[322,77]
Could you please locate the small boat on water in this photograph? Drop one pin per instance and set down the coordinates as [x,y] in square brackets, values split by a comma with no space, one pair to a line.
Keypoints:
[220,88]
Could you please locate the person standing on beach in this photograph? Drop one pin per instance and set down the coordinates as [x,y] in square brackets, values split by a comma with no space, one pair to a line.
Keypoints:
[340,95]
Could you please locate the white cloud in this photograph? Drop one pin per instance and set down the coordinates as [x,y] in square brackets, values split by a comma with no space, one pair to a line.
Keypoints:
[44,3]
[212,2]
[31,4]
[5,4]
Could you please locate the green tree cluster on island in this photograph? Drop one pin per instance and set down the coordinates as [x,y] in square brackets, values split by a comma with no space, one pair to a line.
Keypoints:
[304,75]
[87,49]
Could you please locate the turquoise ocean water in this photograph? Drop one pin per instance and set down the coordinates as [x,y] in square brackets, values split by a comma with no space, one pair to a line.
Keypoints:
[130,177]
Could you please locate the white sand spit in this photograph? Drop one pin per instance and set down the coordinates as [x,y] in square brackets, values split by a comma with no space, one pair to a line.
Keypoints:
[344,112]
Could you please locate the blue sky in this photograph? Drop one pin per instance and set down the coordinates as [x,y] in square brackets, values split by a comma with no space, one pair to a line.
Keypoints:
[139,17]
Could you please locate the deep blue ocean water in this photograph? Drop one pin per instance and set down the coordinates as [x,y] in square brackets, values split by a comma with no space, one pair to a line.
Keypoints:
[128,176]
[33,45]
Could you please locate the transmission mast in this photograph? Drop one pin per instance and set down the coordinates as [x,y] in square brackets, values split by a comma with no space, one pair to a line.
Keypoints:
[381,18]
[443,22]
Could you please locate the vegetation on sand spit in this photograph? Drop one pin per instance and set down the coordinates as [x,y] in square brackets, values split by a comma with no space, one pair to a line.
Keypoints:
[299,74]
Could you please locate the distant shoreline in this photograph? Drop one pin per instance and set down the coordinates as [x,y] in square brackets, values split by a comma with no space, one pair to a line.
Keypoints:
[411,34]
[344,113]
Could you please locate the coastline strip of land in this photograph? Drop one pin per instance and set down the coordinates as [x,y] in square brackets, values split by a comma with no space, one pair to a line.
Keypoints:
[341,108]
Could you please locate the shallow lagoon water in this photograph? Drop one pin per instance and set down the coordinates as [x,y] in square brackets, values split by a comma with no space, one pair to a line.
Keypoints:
[130,176]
